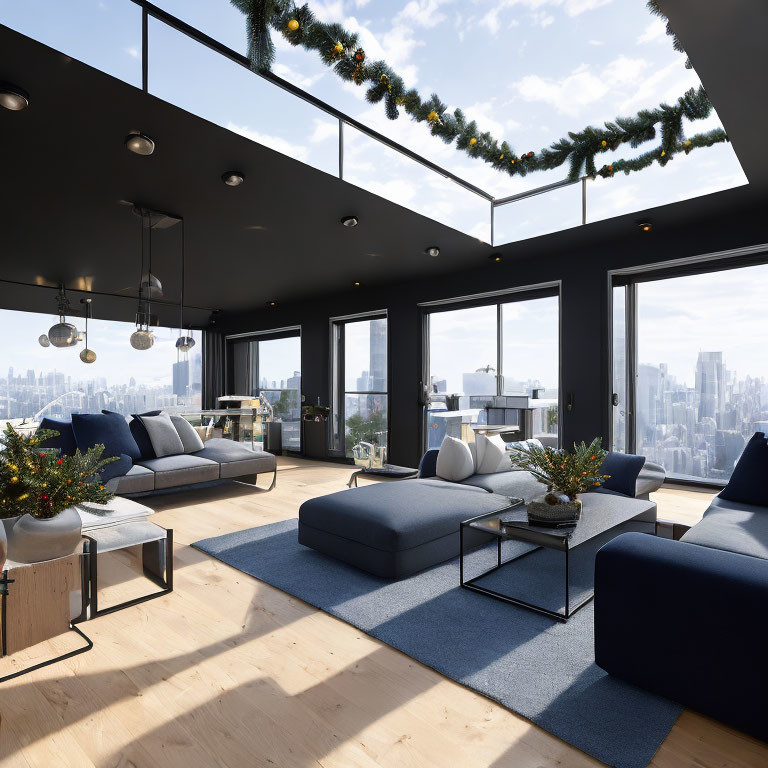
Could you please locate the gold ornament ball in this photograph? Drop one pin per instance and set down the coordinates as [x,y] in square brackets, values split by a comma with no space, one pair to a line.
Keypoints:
[687,142]
[603,143]
[293,25]
[663,153]
[501,157]
[433,117]
[339,48]
[472,141]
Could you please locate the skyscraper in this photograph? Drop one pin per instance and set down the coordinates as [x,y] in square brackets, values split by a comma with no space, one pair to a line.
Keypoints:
[180,378]
[710,385]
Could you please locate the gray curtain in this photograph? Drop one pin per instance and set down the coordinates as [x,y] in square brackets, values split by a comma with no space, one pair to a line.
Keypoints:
[213,367]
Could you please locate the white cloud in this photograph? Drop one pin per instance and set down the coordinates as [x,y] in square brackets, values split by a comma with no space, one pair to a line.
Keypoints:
[596,42]
[542,19]
[653,33]
[324,130]
[292,76]
[576,7]
[361,3]
[423,13]
[483,113]
[279,144]
[132,52]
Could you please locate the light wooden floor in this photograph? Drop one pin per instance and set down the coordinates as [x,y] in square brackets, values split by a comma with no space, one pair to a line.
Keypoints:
[227,671]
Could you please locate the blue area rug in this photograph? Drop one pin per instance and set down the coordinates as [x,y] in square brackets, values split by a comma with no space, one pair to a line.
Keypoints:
[540,668]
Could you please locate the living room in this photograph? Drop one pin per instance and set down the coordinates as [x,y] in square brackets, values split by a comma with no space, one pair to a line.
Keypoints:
[347,427]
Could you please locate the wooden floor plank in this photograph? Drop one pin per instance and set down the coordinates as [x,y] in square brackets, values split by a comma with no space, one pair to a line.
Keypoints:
[228,672]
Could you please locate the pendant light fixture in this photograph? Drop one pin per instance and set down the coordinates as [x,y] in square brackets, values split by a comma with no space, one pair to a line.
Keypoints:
[142,338]
[87,355]
[62,334]
[183,343]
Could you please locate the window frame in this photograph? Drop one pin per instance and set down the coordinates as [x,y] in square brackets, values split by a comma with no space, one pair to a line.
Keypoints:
[337,379]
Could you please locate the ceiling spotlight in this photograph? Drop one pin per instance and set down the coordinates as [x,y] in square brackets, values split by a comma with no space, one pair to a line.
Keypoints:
[350,221]
[495,257]
[432,251]
[356,284]
[139,143]
[270,304]
[645,226]
[12,97]
[233,178]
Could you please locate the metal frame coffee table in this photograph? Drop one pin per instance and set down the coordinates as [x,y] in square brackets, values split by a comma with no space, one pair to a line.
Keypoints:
[600,514]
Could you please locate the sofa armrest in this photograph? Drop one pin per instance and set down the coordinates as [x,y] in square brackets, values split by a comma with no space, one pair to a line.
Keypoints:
[650,479]
[428,463]
[687,622]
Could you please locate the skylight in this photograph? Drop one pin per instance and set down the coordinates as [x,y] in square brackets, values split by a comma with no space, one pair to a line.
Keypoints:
[528,71]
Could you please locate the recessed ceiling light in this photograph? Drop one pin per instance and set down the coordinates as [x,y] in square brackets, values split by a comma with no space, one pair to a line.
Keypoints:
[432,251]
[233,178]
[12,97]
[497,257]
[645,226]
[350,221]
[139,143]
[356,284]
[270,304]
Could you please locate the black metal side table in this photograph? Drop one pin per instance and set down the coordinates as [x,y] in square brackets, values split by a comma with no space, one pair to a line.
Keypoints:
[387,472]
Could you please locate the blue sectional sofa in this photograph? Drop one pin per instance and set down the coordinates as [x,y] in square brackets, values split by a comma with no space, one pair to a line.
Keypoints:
[687,619]
[396,529]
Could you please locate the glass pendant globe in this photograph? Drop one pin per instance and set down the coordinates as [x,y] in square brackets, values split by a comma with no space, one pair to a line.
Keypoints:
[43,340]
[88,356]
[185,343]
[62,335]
[142,339]
[81,336]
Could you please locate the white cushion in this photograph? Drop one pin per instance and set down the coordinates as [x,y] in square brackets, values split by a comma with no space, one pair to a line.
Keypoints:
[454,460]
[492,455]
[190,439]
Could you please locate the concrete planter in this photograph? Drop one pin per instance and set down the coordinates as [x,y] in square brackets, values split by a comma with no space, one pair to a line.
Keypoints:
[32,539]
[563,512]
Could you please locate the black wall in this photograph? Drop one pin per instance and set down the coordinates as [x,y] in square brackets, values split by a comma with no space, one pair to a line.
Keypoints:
[580,258]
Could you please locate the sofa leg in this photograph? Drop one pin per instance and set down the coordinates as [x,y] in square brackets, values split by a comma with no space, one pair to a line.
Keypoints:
[253,480]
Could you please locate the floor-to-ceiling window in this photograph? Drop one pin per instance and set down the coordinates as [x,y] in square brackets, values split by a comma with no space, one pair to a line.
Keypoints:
[360,407]
[479,353]
[37,381]
[695,352]
[269,365]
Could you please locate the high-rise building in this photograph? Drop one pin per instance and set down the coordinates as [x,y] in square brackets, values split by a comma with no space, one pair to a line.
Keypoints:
[710,385]
[181,378]
[378,352]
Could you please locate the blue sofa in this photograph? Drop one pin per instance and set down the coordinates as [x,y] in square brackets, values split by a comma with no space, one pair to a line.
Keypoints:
[396,529]
[688,619]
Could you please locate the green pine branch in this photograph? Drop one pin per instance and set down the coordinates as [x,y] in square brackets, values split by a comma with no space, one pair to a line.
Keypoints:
[340,50]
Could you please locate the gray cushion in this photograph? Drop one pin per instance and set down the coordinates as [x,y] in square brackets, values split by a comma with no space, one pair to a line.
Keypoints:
[190,440]
[172,471]
[734,527]
[650,479]
[163,435]
[236,460]
[138,479]
[522,485]
[399,515]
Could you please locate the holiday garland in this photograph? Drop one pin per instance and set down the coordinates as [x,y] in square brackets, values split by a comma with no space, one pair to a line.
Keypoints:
[340,49]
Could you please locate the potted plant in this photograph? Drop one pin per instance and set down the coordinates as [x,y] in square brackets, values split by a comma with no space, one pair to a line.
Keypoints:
[315,412]
[565,473]
[39,489]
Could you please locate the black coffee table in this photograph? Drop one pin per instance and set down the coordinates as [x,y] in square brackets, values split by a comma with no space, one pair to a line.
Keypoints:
[387,472]
[600,513]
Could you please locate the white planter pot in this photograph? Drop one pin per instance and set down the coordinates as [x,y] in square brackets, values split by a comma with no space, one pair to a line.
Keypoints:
[32,539]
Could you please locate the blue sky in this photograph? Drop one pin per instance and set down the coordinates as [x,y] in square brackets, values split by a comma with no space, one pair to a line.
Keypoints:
[527,70]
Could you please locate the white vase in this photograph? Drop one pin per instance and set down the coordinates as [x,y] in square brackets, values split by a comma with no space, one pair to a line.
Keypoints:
[34,539]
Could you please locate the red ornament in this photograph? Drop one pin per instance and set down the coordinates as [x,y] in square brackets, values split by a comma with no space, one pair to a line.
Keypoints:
[360,55]
[60,462]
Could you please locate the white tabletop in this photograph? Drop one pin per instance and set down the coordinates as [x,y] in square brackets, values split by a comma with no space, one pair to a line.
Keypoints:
[115,512]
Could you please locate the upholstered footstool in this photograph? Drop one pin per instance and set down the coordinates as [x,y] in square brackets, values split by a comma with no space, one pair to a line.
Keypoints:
[393,530]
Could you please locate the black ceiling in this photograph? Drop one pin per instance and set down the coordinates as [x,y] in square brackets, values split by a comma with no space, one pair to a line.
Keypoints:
[67,176]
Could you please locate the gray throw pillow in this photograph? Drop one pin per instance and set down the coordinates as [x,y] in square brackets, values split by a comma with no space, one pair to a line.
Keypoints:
[189,437]
[163,435]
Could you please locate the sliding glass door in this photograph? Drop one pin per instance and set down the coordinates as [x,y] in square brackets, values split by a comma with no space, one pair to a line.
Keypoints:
[361,400]
[476,355]
[693,352]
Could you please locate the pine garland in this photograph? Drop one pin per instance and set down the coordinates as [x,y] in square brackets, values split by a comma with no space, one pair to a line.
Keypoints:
[339,49]
[42,482]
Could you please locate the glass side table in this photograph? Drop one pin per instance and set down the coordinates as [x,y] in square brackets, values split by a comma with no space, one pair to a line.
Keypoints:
[36,600]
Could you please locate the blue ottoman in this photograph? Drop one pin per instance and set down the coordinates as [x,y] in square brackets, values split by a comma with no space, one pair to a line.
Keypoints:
[393,530]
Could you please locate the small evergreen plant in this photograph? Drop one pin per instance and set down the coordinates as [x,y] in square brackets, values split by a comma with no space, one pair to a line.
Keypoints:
[42,482]
[569,472]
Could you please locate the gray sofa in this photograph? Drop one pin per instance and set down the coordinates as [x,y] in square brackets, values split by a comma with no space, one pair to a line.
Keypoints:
[219,459]
[396,529]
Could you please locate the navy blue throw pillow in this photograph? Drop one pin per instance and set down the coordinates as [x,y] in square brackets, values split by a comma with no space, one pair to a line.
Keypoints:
[749,481]
[116,468]
[623,469]
[109,429]
[65,442]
